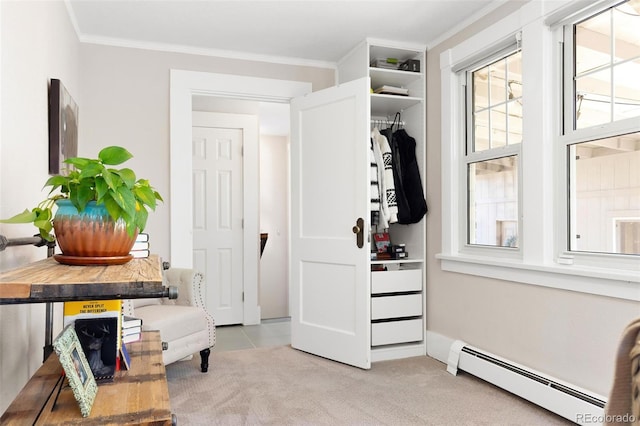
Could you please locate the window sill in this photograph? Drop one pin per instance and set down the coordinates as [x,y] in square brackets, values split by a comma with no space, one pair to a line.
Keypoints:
[600,281]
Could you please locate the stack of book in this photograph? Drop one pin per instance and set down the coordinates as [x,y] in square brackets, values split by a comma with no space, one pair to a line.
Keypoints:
[140,248]
[131,329]
[391,90]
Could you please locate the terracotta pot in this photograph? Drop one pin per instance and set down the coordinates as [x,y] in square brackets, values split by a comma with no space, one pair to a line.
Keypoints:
[92,236]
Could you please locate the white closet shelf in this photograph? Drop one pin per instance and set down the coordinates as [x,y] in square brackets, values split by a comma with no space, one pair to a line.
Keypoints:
[380,76]
[385,105]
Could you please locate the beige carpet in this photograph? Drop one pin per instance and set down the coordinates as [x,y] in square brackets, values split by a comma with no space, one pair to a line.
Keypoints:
[283,386]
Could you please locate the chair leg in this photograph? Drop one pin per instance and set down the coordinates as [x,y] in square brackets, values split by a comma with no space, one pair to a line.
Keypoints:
[204,356]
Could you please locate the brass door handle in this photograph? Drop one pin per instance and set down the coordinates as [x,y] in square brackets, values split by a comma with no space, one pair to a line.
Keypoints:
[358,229]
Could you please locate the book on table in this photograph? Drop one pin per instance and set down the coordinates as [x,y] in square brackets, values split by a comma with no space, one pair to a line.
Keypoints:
[108,316]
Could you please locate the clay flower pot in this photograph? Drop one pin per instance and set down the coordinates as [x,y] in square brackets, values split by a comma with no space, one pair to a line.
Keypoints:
[91,237]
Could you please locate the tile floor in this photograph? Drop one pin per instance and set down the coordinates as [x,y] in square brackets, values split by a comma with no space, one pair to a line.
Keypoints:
[271,332]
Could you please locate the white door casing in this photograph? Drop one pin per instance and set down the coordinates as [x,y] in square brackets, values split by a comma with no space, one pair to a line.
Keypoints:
[330,277]
[217,209]
[183,85]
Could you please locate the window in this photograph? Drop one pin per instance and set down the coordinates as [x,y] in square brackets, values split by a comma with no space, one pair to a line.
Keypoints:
[494,135]
[602,130]
[541,149]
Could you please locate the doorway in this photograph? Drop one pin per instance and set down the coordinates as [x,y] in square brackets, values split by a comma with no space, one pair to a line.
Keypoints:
[185,84]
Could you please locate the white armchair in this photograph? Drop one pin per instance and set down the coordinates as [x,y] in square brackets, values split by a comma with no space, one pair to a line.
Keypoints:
[184,324]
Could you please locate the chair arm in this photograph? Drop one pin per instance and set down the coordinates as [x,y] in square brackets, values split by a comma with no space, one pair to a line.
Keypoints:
[189,284]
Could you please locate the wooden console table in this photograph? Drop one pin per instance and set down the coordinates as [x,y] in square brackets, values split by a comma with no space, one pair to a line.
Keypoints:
[49,281]
[136,396]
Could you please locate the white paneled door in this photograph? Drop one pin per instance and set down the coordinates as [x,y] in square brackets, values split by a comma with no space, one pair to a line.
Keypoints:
[217,215]
[330,297]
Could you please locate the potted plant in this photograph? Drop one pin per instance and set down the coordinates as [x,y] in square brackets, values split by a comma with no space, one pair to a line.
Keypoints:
[100,209]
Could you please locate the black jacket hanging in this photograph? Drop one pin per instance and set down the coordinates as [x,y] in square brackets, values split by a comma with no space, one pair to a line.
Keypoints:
[409,192]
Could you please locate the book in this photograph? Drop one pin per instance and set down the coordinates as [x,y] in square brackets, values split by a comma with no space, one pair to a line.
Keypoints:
[99,339]
[125,357]
[140,245]
[139,254]
[131,330]
[129,321]
[131,338]
[143,236]
[76,310]
[382,241]
[391,90]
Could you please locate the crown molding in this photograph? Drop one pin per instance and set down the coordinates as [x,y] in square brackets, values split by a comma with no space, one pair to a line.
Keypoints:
[191,50]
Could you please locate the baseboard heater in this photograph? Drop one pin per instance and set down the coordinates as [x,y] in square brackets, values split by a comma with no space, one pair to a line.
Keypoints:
[572,403]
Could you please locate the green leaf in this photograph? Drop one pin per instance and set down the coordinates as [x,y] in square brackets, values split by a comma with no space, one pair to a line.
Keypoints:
[79,162]
[145,195]
[92,169]
[115,211]
[110,179]
[141,218]
[113,155]
[128,176]
[101,188]
[26,216]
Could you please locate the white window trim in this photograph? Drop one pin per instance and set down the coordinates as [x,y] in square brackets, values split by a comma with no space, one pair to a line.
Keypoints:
[538,261]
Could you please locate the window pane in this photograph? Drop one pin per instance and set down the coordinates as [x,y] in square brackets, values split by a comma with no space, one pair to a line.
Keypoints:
[514,109]
[627,90]
[496,89]
[493,202]
[605,195]
[481,131]
[625,29]
[481,89]
[499,126]
[593,99]
[607,65]
[514,75]
[497,82]
[593,43]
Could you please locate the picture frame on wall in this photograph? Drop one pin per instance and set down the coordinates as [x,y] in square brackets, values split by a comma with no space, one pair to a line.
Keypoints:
[63,127]
[76,368]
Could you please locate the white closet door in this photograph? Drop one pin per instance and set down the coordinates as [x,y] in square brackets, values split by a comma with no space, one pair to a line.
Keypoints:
[330,297]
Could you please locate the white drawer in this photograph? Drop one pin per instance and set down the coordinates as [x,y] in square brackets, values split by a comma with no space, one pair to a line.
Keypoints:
[406,305]
[396,281]
[388,333]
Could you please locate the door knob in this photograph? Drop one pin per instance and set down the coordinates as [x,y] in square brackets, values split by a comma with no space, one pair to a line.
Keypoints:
[358,229]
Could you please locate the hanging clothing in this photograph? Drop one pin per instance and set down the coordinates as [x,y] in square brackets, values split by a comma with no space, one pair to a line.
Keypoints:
[411,203]
[375,185]
[389,206]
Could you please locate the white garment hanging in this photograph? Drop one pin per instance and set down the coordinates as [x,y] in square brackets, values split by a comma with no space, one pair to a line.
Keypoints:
[389,205]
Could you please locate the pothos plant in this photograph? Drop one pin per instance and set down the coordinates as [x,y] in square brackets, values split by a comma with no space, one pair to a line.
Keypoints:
[123,195]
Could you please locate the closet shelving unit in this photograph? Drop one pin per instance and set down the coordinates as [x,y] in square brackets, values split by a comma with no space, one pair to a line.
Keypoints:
[398,294]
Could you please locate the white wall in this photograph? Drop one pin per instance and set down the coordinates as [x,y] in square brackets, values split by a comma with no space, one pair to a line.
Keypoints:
[274,219]
[571,336]
[37,43]
[126,102]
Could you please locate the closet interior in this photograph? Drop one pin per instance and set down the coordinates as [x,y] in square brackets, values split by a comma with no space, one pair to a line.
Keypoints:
[397,239]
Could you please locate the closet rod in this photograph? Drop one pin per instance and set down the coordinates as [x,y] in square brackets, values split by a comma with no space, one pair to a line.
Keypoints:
[387,122]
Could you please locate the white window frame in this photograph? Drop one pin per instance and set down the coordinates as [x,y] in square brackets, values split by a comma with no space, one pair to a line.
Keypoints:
[540,259]
[468,156]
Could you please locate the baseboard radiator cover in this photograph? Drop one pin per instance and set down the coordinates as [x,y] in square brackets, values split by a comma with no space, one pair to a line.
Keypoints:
[570,402]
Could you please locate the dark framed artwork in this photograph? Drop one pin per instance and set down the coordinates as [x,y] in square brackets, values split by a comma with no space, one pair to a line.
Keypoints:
[63,127]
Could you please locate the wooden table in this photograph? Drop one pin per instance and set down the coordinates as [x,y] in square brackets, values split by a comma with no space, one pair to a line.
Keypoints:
[137,396]
[49,281]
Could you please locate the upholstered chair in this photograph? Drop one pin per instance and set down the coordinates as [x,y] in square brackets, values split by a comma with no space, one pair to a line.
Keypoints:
[185,325]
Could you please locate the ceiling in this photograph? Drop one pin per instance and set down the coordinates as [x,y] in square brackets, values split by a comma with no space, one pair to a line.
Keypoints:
[307,32]
[298,32]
